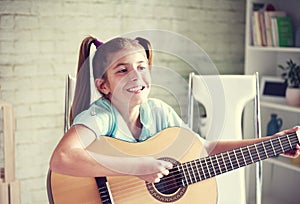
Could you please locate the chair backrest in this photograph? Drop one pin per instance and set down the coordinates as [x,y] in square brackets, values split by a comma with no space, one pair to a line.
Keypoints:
[224,98]
[69,95]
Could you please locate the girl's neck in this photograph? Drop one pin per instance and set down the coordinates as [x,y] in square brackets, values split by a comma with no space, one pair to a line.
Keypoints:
[131,116]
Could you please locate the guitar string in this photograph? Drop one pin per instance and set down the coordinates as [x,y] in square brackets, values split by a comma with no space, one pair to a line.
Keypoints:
[127,183]
[121,185]
[193,166]
[133,189]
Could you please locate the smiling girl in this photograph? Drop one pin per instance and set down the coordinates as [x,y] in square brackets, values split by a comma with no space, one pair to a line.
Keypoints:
[122,74]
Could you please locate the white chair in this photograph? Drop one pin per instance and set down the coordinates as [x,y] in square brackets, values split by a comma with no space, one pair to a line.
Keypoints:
[69,94]
[224,98]
[68,100]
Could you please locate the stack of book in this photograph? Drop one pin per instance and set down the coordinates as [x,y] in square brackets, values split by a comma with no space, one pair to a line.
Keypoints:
[272,28]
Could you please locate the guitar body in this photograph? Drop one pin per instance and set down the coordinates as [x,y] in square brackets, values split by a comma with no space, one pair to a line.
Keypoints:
[173,144]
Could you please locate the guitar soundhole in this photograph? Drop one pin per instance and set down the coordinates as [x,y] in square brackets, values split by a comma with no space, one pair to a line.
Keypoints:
[169,189]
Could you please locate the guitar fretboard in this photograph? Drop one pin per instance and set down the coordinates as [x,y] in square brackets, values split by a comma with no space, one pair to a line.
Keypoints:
[207,167]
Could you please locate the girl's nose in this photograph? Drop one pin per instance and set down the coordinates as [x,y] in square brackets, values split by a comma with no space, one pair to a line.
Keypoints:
[135,75]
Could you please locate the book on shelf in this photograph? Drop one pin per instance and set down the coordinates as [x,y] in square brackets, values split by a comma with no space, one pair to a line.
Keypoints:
[256,29]
[268,15]
[259,33]
[274,32]
[282,31]
[272,28]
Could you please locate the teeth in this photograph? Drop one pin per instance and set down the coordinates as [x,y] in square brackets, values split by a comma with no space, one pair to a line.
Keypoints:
[135,89]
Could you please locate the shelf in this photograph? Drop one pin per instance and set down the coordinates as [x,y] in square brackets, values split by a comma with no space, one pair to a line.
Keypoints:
[280,106]
[265,60]
[275,49]
[284,162]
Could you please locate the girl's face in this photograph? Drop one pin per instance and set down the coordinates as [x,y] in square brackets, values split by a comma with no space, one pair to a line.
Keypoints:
[127,78]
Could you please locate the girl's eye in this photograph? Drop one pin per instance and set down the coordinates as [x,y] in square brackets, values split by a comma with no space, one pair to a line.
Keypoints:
[142,67]
[122,70]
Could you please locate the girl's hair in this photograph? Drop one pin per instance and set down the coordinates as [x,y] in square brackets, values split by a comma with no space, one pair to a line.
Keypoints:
[82,95]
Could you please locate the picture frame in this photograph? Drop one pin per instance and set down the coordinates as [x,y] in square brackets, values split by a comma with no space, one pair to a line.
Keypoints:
[272,89]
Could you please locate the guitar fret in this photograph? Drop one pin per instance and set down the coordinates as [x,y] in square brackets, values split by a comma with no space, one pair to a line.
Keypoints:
[262,150]
[272,147]
[276,145]
[233,159]
[207,168]
[227,162]
[213,167]
[254,153]
[189,178]
[281,144]
[236,159]
[218,162]
[292,140]
[222,155]
[191,172]
[241,157]
[265,151]
[202,170]
[194,180]
[250,155]
[280,148]
[198,173]
[184,179]
[290,143]
[230,161]
[218,168]
[246,156]
[286,146]
[269,148]
[245,163]
[255,145]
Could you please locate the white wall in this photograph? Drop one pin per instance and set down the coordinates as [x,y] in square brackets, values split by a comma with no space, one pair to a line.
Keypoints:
[39,42]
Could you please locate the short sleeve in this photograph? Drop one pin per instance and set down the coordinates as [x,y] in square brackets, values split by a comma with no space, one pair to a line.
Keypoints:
[97,119]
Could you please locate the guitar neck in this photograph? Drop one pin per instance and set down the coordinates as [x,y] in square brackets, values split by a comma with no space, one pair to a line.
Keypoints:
[207,167]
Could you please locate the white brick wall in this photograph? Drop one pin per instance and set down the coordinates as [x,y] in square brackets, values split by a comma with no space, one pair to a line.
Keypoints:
[39,42]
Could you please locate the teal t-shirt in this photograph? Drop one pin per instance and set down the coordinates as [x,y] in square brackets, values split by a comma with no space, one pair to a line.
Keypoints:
[104,119]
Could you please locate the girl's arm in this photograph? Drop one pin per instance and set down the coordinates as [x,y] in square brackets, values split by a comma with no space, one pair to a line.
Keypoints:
[222,146]
[71,158]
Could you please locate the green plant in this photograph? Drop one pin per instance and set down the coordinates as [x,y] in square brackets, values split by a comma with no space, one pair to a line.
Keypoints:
[291,74]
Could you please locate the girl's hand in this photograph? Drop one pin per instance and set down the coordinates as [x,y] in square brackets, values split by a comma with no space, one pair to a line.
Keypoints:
[151,169]
[295,152]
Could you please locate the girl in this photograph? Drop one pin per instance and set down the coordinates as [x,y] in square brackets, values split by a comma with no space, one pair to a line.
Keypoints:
[121,69]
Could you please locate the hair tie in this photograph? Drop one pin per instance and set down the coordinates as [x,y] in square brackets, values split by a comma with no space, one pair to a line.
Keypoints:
[97,43]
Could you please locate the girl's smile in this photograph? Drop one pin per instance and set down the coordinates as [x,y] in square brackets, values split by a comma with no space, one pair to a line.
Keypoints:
[136,90]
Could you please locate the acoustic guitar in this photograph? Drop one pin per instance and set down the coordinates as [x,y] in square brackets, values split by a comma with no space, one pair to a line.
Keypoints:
[191,178]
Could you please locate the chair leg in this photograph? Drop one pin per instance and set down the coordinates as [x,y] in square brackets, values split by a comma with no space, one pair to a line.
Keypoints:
[191,102]
[259,168]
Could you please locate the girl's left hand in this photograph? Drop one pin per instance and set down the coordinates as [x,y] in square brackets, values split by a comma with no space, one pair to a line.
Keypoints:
[295,152]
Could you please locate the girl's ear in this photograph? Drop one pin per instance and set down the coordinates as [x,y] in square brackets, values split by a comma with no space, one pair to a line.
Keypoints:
[102,86]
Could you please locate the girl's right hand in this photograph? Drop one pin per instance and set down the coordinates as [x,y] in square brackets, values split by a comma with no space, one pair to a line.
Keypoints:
[151,169]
